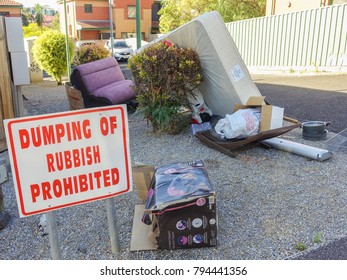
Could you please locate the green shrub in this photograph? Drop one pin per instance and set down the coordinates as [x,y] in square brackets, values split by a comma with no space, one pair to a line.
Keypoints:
[300,246]
[164,76]
[89,53]
[318,237]
[49,53]
[33,30]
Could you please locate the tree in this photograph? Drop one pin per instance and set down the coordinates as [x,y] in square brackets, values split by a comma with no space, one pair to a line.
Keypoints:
[233,10]
[49,53]
[174,13]
[55,25]
[27,17]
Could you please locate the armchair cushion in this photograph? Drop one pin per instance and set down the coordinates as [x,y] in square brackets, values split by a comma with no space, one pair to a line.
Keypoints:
[102,83]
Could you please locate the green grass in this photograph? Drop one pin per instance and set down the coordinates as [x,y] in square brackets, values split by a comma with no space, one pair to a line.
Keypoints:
[300,246]
[318,237]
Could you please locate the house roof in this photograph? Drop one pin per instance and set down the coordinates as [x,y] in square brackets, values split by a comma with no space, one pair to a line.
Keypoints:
[94,24]
[10,3]
[47,19]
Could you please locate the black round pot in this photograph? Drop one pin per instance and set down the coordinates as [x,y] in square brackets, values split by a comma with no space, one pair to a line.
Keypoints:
[314,130]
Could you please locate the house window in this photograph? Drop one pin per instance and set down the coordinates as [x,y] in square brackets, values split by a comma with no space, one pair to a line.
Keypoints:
[131,11]
[88,8]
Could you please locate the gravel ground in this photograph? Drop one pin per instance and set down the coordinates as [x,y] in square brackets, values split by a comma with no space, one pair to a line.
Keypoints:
[268,201]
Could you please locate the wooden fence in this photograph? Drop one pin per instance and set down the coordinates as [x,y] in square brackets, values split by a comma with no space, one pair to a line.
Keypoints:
[6,90]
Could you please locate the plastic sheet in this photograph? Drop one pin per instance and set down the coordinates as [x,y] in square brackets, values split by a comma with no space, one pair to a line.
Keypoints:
[177,184]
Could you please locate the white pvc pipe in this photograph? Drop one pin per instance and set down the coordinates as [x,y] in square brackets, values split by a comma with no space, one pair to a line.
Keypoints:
[297,148]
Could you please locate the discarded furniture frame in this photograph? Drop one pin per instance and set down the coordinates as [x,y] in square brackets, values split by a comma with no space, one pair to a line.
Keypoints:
[227,146]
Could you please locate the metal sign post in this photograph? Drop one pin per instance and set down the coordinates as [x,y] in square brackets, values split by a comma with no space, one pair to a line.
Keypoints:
[112,225]
[53,235]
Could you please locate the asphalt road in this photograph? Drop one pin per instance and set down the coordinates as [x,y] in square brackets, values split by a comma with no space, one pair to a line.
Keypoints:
[305,97]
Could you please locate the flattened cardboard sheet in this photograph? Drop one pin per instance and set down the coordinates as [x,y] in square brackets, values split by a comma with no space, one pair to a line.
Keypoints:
[271,117]
[142,176]
[140,232]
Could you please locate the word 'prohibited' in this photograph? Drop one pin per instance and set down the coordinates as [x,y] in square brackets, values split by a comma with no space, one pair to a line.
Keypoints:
[69,158]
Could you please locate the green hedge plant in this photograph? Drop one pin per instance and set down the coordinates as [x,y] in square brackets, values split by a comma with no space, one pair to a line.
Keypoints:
[165,75]
[90,53]
[49,53]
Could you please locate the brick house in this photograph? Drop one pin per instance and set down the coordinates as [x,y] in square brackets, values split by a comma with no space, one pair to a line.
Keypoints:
[90,19]
[9,8]
[274,7]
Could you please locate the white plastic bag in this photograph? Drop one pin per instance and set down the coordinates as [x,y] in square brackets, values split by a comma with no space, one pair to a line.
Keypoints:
[241,124]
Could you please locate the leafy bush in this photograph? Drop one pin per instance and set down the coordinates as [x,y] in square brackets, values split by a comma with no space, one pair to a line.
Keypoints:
[33,30]
[164,76]
[49,53]
[89,53]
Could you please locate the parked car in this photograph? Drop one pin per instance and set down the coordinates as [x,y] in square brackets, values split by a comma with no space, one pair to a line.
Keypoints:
[121,50]
[84,42]
[132,43]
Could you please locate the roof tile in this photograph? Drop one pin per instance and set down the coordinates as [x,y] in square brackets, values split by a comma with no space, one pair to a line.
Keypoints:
[9,3]
[94,24]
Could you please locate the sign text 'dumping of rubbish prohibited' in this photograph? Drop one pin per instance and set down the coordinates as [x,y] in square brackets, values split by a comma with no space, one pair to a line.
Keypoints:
[69,158]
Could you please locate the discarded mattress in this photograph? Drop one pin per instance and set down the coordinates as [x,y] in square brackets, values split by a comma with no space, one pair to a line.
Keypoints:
[226,80]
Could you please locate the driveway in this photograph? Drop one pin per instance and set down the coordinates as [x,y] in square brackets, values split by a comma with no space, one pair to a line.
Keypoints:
[308,97]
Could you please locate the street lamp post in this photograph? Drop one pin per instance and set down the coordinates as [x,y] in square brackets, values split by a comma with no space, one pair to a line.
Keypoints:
[111,27]
[67,43]
[138,24]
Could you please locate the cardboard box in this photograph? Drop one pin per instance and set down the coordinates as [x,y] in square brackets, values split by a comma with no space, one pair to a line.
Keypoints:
[180,213]
[142,176]
[74,97]
[192,225]
[271,116]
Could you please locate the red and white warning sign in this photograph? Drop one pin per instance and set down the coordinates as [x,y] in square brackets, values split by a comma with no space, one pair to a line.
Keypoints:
[63,159]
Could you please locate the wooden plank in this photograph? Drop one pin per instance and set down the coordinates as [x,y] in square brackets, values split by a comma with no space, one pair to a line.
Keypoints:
[6,93]
[5,75]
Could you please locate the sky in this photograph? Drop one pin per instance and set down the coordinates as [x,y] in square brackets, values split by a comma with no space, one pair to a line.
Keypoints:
[32,3]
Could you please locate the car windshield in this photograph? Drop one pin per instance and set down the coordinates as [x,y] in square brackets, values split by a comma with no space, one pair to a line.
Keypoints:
[121,44]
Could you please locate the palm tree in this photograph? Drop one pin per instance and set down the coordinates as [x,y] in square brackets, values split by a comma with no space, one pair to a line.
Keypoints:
[27,17]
